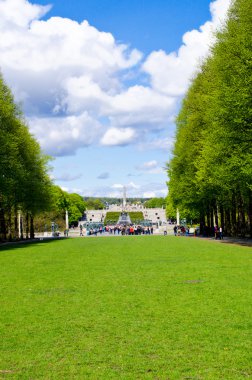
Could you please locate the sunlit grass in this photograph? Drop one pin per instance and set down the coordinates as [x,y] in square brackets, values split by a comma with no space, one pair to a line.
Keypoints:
[140,307]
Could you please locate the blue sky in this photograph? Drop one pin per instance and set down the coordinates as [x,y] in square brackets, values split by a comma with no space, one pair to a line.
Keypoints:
[101,95]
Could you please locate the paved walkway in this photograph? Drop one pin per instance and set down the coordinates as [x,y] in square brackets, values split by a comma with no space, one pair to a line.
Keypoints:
[226,240]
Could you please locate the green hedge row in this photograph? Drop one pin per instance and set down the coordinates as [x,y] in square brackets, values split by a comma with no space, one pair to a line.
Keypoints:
[136,216]
[113,216]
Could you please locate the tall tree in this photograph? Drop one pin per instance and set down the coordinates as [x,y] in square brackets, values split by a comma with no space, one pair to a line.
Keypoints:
[211,170]
[24,182]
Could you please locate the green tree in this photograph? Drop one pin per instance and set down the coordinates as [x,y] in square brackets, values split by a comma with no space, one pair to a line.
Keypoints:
[155,203]
[211,169]
[24,183]
[94,204]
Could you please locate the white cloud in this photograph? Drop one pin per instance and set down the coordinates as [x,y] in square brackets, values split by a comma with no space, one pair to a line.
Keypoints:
[76,190]
[155,191]
[219,11]
[117,186]
[132,185]
[149,194]
[66,177]
[153,164]
[62,136]
[118,136]
[20,12]
[170,73]
[165,144]
[137,105]
[68,75]
[129,186]
[133,190]
[151,167]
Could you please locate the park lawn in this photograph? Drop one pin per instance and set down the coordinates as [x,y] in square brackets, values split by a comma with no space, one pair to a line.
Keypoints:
[133,307]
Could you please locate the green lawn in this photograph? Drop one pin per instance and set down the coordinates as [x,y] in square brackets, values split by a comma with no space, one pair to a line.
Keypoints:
[133,307]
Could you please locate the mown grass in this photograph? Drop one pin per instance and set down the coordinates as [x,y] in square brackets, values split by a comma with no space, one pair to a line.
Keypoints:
[133,307]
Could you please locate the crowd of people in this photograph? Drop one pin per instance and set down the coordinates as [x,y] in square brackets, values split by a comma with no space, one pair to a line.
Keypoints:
[118,230]
[183,230]
[215,231]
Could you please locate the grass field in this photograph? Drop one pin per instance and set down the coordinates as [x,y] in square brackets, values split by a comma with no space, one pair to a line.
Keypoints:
[134,307]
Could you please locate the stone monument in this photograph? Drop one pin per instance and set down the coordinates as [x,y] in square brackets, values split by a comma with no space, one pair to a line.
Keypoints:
[124,218]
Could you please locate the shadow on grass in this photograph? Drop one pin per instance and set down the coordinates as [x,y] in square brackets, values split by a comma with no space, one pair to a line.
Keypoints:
[246,242]
[6,246]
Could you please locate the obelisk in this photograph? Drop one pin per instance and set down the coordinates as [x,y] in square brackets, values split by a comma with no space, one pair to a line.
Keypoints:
[124,198]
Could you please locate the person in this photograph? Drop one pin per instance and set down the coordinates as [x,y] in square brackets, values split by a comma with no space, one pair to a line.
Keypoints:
[216,232]
[221,233]
[175,230]
[81,234]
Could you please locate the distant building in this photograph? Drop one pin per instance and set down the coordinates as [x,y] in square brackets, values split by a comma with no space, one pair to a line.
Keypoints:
[156,215]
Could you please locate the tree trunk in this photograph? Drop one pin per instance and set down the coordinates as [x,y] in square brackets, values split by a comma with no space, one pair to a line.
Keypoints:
[27,225]
[2,224]
[21,227]
[202,221]
[241,217]
[211,220]
[227,222]
[233,216]
[208,219]
[222,220]
[216,217]
[16,224]
[32,235]
[9,224]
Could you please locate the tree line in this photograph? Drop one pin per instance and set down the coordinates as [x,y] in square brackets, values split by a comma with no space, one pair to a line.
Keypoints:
[24,182]
[28,198]
[210,173]
[29,201]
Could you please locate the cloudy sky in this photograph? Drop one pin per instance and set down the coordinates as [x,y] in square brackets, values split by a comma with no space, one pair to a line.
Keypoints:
[101,81]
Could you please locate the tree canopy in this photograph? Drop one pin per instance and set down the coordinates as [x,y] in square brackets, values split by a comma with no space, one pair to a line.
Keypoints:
[155,203]
[24,181]
[210,173]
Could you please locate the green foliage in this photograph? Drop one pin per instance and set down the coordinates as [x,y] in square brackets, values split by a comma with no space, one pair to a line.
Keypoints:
[116,201]
[61,201]
[78,201]
[25,184]
[113,217]
[210,174]
[94,204]
[155,203]
[76,208]
[136,216]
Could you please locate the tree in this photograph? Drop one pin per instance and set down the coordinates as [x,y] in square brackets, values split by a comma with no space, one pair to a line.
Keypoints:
[211,169]
[24,183]
[155,203]
[94,204]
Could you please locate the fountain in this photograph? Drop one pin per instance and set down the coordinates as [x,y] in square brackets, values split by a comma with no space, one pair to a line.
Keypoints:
[124,218]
